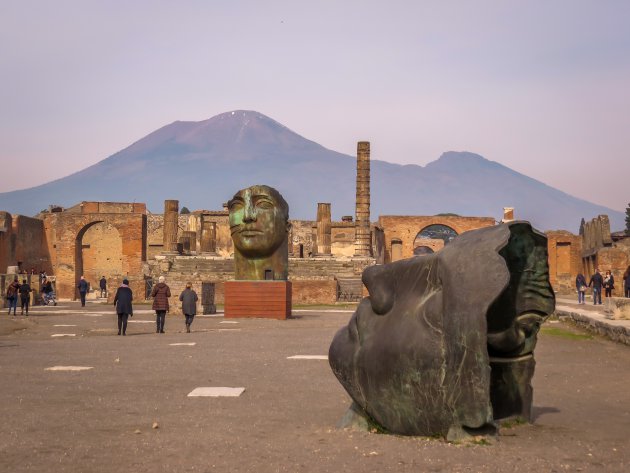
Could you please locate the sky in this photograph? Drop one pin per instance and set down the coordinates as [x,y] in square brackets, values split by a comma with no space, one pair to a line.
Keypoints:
[540,86]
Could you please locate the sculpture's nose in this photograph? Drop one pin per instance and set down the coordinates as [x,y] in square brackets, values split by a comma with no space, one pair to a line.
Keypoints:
[249,212]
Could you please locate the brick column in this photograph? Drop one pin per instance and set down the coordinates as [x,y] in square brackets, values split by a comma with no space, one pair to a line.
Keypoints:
[324,229]
[208,237]
[362,243]
[171,215]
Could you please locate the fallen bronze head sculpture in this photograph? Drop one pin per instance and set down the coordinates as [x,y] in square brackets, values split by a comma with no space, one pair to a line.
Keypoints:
[444,343]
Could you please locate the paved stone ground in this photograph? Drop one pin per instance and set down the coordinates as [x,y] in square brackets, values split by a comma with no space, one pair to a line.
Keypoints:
[100,420]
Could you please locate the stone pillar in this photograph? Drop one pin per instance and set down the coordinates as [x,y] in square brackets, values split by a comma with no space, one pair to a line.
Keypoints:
[190,240]
[362,244]
[324,230]
[171,215]
[208,237]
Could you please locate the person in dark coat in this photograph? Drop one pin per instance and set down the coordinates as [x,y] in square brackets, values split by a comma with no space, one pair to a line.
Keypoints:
[580,285]
[103,285]
[189,298]
[25,295]
[597,282]
[124,309]
[83,287]
[160,293]
[12,295]
[609,283]
[626,282]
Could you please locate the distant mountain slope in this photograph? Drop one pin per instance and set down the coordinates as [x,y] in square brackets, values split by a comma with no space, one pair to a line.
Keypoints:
[203,163]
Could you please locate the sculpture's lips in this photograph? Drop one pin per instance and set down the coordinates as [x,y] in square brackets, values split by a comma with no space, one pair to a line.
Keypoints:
[250,233]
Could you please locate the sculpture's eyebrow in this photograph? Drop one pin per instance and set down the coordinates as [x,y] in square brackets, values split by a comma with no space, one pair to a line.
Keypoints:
[262,196]
[236,199]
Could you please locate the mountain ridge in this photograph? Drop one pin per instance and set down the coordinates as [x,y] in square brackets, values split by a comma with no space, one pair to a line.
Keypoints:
[203,163]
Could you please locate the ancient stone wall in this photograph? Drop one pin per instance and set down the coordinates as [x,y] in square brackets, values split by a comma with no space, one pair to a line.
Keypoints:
[6,229]
[565,262]
[65,232]
[155,233]
[406,228]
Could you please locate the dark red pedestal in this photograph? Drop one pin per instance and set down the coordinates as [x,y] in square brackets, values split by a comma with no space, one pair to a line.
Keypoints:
[263,299]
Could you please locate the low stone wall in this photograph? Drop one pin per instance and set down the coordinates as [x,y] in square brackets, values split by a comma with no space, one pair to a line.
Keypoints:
[616,333]
[314,291]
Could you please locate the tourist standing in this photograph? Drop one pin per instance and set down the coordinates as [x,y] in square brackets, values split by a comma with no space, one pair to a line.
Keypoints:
[25,295]
[83,289]
[597,282]
[580,285]
[124,309]
[103,285]
[189,298]
[160,293]
[609,283]
[12,295]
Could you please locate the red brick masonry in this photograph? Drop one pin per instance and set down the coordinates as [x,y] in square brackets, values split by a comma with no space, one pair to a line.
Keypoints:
[264,299]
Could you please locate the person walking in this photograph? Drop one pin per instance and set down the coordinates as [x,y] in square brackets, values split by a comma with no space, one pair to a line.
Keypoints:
[597,282]
[626,282]
[12,295]
[580,285]
[609,283]
[25,296]
[83,287]
[189,299]
[124,309]
[160,293]
[103,285]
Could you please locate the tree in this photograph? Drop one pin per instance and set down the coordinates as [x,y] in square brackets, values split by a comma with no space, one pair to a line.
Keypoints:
[582,223]
[628,219]
[184,210]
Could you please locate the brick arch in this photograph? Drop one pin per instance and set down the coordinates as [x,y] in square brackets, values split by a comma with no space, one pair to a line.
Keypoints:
[405,228]
[69,228]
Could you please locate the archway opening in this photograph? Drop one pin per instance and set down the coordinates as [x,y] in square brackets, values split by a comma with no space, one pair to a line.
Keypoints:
[435,232]
[98,253]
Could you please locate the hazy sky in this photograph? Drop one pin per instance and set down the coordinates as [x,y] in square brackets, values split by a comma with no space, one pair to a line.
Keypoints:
[541,86]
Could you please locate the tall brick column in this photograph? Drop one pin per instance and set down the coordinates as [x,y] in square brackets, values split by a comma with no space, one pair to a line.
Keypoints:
[362,242]
[171,215]
[324,229]
[208,237]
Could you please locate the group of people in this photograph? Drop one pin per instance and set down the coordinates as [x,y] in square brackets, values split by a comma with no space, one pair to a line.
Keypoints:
[160,293]
[21,291]
[599,282]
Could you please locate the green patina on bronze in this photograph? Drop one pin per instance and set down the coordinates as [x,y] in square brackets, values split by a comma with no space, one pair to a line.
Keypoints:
[259,224]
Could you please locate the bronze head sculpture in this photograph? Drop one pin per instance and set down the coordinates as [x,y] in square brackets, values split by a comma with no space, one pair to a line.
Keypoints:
[444,343]
[259,225]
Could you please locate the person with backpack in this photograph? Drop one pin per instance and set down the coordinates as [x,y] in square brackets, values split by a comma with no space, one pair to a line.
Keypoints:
[12,294]
[25,295]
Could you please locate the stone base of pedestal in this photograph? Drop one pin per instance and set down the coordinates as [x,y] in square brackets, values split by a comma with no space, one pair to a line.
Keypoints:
[262,299]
